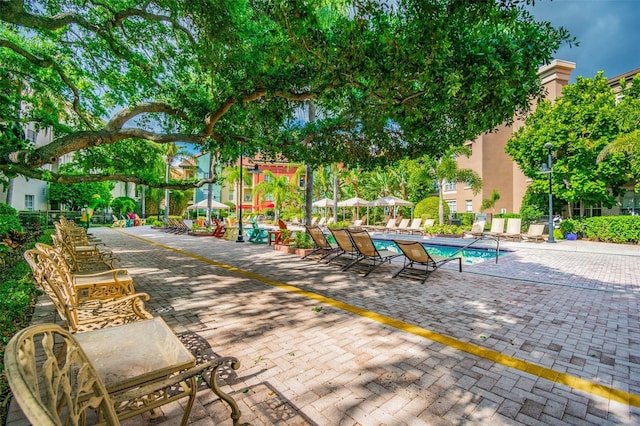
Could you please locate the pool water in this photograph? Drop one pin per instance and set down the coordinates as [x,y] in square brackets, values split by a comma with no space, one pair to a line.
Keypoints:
[469,255]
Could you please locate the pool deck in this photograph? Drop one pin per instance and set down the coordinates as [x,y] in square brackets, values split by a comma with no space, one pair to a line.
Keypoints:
[550,335]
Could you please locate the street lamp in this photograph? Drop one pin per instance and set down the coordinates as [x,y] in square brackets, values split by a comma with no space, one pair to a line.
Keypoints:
[548,169]
[255,170]
[240,230]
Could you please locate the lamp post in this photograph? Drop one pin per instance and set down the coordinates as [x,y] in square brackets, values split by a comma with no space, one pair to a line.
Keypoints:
[551,238]
[240,230]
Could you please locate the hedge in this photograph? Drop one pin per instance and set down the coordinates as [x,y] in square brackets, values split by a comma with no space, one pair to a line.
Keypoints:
[613,229]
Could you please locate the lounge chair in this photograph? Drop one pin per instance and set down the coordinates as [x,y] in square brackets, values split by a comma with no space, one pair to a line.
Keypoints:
[416,253]
[218,232]
[390,224]
[497,228]
[368,251]
[514,229]
[344,243]
[118,223]
[404,224]
[357,224]
[414,227]
[258,235]
[534,233]
[322,245]
[139,221]
[477,229]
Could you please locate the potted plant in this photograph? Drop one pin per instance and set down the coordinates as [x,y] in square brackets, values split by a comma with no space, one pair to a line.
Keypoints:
[570,228]
[302,243]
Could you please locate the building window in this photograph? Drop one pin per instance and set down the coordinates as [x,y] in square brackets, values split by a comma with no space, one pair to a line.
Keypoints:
[449,187]
[28,202]
[467,185]
[31,135]
[469,204]
[589,211]
[267,178]
[231,195]
[453,207]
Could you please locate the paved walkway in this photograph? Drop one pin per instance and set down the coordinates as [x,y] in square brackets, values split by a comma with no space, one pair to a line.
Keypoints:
[549,335]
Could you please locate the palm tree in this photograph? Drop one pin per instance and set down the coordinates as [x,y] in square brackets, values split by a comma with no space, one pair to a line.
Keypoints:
[232,174]
[445,170]
[280,187]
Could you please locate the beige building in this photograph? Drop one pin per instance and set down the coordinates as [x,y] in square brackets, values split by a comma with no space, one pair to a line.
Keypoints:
[489,159]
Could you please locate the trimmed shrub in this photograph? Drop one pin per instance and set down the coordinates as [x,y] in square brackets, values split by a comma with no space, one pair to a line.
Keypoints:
[613,229]
[428,209]
[9,220]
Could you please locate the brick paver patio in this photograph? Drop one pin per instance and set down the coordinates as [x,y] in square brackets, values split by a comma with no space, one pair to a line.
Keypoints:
[549,335]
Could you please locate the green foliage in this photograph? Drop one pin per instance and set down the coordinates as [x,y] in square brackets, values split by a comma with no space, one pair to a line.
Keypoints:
[17,298]
[489,203]
[7,209]
[76,196]
[529,213]
[571,226]
[428,208]
[339,224]
[215,73]
[579,125]
[302,240]
[123,205]
[466,219]
[445,229]
[614,229]
[9,220]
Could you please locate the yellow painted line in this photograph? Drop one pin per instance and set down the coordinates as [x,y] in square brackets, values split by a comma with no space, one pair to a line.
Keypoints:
[497,357]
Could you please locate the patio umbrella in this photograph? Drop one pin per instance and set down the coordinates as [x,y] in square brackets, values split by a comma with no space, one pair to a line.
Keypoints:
[354,202]
[202,205]
[390,201]
[325,203]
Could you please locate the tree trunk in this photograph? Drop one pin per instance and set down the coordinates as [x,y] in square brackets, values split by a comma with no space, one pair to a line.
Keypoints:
[441,204]
[308,205]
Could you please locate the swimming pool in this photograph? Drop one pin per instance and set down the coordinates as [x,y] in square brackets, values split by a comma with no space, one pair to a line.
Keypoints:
[445,247]
[469,255]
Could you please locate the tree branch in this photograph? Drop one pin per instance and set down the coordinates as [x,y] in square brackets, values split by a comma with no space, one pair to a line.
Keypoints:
[126,114]
[49,153]
[48,176]
[50,63]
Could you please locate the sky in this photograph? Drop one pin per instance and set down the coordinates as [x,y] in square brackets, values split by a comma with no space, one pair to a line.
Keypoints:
[608,32]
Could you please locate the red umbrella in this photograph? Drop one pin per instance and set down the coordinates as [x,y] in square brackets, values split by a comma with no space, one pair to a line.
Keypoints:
[268,205]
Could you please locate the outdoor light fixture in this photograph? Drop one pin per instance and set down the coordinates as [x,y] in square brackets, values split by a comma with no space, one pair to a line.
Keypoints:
[255,170]
[241,184]
[547,169]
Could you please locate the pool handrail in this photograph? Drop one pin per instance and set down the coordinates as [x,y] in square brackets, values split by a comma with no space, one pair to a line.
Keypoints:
[483,237]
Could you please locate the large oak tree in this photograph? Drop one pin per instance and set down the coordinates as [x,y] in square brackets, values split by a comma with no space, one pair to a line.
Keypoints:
[115,78]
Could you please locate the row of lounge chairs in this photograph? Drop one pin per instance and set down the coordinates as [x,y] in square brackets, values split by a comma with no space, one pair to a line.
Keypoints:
[358,247]
[513,230]
[414,226]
